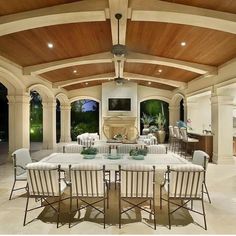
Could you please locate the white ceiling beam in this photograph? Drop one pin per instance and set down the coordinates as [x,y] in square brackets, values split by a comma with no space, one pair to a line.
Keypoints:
[189,66]
[65,83]
[118,6]
[173,83]
[160,11]
[82,11]
[105,57]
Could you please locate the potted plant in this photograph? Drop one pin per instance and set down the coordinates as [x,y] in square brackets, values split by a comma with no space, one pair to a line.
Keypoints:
[146,120]
[160,121]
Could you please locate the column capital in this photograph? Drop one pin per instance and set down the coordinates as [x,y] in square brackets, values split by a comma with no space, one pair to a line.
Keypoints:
[18,99]
[65,107]
[222,100]
[49,104]
[174,108]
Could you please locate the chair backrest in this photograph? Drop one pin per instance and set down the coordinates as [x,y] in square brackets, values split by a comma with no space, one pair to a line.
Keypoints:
[171,131]
[137,181]
[176,132]
[183,132]
[87,180]
[157,149]
[21,157]
[102,148]
[125,148]
[185,181]
[43,179]
[200,158]
[72,148]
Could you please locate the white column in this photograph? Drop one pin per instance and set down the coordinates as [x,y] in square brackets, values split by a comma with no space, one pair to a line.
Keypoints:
[222,128]
[49,124]
[192,114]
[65,123]
[173,114]
[18,122]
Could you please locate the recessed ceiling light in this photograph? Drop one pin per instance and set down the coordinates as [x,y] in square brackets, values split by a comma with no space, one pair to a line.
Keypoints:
[160,70]
[74,71]
[183,44]
[50,45]
[109,78]
[128,78]
[86,83]
[149,82]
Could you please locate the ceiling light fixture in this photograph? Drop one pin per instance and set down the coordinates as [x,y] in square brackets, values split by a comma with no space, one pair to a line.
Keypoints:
[149,82]
[50,45]
[160,70]
[118,49]
[74,71]
[86,83]
[183,44]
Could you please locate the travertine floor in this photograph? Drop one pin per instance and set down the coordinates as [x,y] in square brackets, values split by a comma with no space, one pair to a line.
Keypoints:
[221,214]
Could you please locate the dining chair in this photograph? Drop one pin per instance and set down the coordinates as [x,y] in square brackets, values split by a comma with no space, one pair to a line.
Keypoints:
[172,137]
[177,140]
[45,181]
[72,148]
[187,140]
[136,188]
[21,158]
[88,184]
[185,184]
[157,149]
[202,158]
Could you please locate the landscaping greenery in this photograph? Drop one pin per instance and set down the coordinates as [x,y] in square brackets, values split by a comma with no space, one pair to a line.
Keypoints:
[90,151]
[137,152]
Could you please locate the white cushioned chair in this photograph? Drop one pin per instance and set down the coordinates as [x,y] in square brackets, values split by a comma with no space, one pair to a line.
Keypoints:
[44,181]
[202,158]
[21,158]
[72,148]
[137,187]
[157,149]
[88,184]
[87,139]
[185,183]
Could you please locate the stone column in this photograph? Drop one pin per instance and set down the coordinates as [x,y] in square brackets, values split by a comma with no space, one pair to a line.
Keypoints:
[18,122]
[49,124]
[222,128]
[192,114]
[174,114]
[65,123]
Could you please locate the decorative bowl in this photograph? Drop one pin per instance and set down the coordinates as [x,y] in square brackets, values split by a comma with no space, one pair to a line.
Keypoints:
[89,156]
[138,157]
[113,156]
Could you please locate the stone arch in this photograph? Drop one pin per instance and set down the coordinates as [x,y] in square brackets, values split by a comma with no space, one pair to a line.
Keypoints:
[73,99]
[158,97]
[177,98]
[43,90]
[62,98]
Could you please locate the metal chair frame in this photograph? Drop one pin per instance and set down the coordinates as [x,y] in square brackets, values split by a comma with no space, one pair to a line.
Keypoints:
[104,198]
[45,194]
[183,197]
[143,199]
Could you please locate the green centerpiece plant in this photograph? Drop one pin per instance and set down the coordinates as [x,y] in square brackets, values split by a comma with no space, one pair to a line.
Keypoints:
[160,120]
[89,153]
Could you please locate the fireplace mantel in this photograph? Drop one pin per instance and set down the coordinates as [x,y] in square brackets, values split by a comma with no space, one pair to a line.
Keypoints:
[126,125]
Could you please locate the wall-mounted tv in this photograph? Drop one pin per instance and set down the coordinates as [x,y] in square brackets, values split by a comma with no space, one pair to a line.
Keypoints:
[119,104]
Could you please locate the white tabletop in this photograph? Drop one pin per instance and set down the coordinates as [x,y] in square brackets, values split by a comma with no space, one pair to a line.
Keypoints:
[158,160]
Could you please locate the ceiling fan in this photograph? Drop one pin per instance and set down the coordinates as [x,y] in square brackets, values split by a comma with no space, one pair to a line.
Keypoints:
[118,49]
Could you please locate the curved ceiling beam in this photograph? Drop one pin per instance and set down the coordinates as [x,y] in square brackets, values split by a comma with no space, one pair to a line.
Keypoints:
[154,10]
[82,11]
[189,66]
[83,79]
[173,83]
[104,57]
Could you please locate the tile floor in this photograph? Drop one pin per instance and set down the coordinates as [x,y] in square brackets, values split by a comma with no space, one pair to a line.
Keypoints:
[221,214]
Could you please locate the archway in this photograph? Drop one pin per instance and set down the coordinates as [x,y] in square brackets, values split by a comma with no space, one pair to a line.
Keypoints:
[84,117]
[152,108]
[4,124]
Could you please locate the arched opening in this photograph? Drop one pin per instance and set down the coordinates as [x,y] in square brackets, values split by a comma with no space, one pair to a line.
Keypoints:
[154,108]
[36,121]
[3,123]
[58,121]
[84,117]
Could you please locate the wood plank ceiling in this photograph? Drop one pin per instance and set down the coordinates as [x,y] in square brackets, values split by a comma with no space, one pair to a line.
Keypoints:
[206,47]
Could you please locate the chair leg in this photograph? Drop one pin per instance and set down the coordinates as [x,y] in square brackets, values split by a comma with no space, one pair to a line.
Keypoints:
[26,209]
[169,213]
[58,212]
[119,211]
[70,216]
[12,189]
[154,214]
[204,214]
[104,210]
[160,197]
[207,192]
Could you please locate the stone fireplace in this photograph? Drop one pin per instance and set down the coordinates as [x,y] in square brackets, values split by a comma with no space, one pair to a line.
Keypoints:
[124,125]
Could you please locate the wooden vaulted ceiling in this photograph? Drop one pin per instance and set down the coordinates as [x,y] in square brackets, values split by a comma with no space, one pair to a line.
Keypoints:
[205,47]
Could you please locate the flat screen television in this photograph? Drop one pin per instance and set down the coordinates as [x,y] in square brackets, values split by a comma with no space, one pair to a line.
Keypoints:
[119,104]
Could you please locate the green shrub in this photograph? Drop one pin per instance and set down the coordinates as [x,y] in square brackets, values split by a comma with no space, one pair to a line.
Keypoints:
[90,151]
